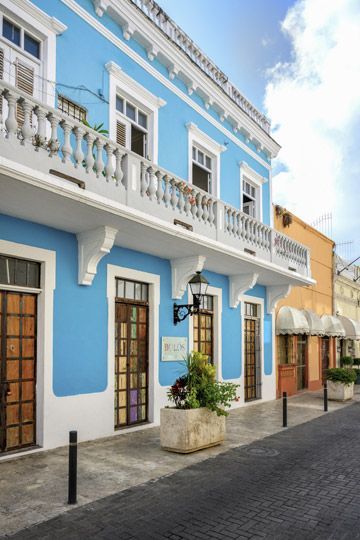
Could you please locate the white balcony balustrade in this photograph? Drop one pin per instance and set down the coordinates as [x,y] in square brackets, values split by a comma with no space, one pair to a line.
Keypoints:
[44,139]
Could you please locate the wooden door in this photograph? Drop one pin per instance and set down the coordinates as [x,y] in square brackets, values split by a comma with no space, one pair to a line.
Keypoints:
[203,328]
[131,362]
[17,370]
[301,361]
[252,356]
[325,356]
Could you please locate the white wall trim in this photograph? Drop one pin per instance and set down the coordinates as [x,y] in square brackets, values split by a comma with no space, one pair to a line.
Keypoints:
[260,301]
[92,247]
[238,285]
[120,82]
[216,292]
[47,28]
[182,270]
[81,12]
[44,343]
[199,138]
[248,173]
[275,293]
[155,392]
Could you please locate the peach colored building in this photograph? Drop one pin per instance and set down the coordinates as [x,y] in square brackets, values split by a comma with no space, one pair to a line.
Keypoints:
[305,326]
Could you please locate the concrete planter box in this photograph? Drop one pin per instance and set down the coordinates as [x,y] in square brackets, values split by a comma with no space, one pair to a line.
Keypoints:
[189,430]
[340,392]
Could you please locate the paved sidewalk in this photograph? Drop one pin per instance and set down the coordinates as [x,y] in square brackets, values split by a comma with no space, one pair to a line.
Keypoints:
[34,488]
[301,484]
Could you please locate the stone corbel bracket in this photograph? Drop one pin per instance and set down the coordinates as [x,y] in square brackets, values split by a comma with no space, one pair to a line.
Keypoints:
[182,270]
[92,247]
[239,284]
[275,293]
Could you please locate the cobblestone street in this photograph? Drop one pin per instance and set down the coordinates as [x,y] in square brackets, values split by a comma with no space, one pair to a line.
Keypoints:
[302,483]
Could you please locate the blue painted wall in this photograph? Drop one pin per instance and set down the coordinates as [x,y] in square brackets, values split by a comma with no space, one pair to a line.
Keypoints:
[81,318]
[82,53]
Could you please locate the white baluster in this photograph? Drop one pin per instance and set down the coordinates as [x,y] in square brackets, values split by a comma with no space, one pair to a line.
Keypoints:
[152,187]
[199,211]
[211,212]
[99,162]
[193,204]
[181,203]
[173,199]
[53,144]
[159,190]
[78,154]
[89,160]
[119,174]
[143,180]
[11,122]
[26,129]
[187,206]
[204,204]
[109,167]
[66,148]
[167,196]
[40,136]
[234,223]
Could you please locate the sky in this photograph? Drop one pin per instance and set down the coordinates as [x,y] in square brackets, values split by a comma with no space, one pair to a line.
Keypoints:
[297,61]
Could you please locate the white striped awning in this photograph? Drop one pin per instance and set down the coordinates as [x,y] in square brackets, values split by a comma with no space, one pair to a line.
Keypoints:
[351,327]
[290,320]
[333,326]
[315,322]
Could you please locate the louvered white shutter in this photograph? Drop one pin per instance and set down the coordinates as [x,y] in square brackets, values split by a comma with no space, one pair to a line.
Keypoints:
[24,81]
[120,133]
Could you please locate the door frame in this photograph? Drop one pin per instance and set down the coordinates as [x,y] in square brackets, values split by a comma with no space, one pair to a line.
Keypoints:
[44,341]
[216,292]
[153,280]
[264,378]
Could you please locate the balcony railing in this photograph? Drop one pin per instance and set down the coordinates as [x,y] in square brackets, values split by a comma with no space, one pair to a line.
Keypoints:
[50,141]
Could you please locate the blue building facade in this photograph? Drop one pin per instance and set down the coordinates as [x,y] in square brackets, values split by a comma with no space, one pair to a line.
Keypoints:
[100,232]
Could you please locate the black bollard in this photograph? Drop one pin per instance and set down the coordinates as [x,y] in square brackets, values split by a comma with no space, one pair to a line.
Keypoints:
[325,397]
[72,467]
[284,409]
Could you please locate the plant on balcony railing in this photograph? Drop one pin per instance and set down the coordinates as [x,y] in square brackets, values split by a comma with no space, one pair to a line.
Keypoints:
[286,216]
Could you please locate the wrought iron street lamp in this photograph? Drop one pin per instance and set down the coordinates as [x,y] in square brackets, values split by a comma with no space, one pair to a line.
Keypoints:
[198,286]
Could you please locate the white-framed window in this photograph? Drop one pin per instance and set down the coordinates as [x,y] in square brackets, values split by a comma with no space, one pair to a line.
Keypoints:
[204,160]
[28,49]
[251,191]
[132,126]
[133,113]
[202,168]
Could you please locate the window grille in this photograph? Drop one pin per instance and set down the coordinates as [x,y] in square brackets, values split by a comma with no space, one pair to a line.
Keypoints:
[19,272]
[72,109]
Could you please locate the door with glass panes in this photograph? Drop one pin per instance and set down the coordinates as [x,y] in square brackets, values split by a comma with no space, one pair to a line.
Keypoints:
[301,361]
[131,353]
[252,352]
[203,328]
[18,322]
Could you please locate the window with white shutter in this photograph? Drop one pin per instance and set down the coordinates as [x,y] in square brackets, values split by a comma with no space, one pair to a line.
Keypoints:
[24,81]
[131,126]
[120,133]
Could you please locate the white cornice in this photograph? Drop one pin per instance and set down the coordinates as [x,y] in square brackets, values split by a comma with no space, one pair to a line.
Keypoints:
[134,88]
[203,138]
[28,8]
[245,124]
[251,174]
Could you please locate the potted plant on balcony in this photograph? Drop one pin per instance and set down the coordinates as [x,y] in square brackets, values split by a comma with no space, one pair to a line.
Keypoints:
[197,419]
[340,383]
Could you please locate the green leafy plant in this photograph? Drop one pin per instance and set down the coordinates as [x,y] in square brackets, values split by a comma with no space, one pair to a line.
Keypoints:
[341,375]
[198,387]
[356,362]
[96,127]
[346,361]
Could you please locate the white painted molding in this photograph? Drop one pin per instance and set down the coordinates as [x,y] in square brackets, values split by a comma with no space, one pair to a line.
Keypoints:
[92,246]
[239,284]
[250,173]
[133,87]
[182,270]
[275,293]
[204,139]
[177,58]
[29,9]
